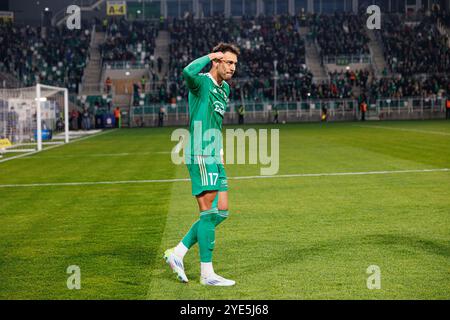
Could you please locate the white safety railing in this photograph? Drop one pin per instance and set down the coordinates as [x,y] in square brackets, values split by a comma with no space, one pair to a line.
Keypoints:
[125,65]
[309,110]
[346,59]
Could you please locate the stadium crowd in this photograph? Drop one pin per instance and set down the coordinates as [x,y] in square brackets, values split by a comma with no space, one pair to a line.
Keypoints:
[58,57]
[414,49]
[130,41]
[399,86]
[262,40]
[53,55]
[340,34]
[265,39]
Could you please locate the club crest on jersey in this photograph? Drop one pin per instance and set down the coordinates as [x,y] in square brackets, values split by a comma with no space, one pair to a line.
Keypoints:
[219,107]
[224,94]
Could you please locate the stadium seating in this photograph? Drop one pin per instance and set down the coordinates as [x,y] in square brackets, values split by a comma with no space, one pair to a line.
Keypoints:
[340,34]
[52,55]
[413,49]
[261,40]
[399,87]
[130,41]
[57,56]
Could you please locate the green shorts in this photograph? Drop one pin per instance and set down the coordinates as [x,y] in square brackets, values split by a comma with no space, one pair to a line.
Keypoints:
[207,174]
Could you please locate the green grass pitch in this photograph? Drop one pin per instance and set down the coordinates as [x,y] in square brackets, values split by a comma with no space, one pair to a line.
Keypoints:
[307,237]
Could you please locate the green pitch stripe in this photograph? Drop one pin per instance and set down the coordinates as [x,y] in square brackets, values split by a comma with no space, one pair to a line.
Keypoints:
[113,233]
[182,211]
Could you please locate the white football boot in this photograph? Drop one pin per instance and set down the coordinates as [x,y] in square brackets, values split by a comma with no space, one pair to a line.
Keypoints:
[216,280]
[176,264]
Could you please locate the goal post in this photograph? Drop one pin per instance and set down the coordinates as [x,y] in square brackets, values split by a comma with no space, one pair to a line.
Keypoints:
[33,117]
[42,93]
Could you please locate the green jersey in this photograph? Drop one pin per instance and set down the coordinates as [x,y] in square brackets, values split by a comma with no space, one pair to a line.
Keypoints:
[207,104]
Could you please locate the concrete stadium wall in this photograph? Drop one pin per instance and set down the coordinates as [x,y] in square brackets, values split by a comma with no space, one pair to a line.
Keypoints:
[353,66]
[415,115]
[119,74]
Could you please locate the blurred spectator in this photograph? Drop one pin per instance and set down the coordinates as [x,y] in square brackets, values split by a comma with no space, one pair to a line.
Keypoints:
[143,82]
[275,114]
[51,55]
[74,119]
[363,110]
[161,117]
[108,85]
[447,108]
[86,125]
[241,112]
[135,94]
[324,113]
[117,117]
[60,124]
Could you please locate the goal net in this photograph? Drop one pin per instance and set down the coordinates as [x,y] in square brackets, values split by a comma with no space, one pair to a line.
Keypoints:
[33,118]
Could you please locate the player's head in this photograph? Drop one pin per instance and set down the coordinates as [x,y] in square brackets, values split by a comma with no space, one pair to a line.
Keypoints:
[227,66]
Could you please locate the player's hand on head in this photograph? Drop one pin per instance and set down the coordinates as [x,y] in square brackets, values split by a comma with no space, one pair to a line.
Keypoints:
[216,56]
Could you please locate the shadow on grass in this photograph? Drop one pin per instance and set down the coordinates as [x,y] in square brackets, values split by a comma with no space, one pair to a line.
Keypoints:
[263,257]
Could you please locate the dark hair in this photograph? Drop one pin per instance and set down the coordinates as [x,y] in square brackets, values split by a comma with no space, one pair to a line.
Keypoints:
[227,47]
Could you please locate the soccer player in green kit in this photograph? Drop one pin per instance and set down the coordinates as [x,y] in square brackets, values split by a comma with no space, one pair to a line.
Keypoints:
[208,98]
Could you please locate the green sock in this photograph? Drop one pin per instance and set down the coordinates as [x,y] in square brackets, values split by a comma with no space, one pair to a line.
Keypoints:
[191,237]
[221,216]
[206,234]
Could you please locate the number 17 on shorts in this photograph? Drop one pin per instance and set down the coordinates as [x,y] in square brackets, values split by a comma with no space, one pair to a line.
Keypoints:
[206,175]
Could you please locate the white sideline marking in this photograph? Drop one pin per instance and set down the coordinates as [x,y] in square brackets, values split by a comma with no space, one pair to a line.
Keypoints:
[95,155]
[230,178]
[404,129]
[56,146]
